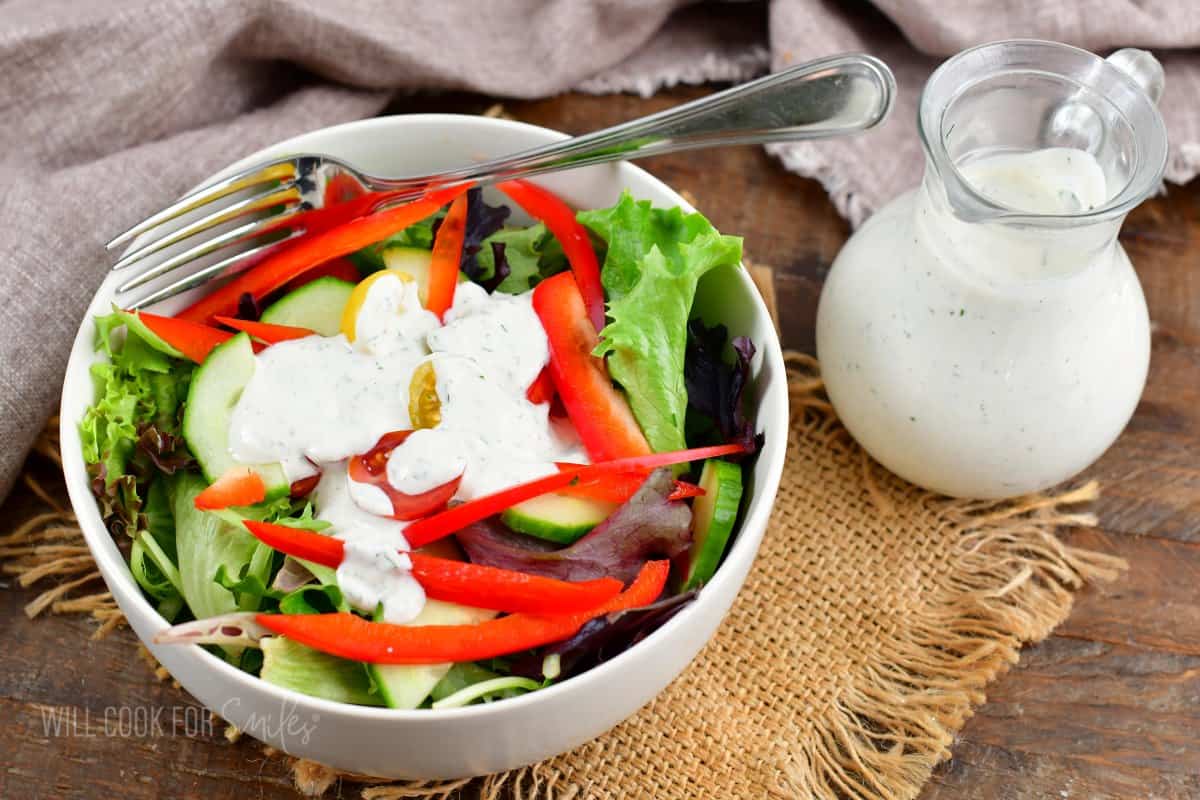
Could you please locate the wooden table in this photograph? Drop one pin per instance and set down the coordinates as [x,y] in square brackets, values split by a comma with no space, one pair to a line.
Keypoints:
[1109,706]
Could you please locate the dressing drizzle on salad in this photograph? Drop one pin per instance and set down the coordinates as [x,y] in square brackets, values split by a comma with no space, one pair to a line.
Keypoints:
[314,402]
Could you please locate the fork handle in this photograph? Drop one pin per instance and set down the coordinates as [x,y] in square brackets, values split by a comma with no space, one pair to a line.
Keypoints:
[815,100]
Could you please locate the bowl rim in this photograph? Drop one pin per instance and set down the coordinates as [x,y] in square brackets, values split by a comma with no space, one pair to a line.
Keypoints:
[774,421]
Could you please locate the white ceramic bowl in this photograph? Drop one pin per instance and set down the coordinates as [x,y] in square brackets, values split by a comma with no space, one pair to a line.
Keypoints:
[485,738]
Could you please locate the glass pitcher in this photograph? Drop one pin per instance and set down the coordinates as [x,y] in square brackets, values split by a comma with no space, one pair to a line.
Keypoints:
[985,335]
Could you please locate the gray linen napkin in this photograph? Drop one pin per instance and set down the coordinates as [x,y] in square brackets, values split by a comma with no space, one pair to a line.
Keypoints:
[110,108]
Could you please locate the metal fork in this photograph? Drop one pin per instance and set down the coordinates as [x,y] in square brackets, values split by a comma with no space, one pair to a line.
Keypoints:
[256,210]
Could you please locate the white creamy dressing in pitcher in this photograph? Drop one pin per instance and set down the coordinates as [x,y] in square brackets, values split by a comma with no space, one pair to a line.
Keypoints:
[1056,180]
[987,359]
[314,402]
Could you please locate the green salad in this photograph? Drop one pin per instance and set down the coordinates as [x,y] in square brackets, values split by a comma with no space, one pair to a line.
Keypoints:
[426,457]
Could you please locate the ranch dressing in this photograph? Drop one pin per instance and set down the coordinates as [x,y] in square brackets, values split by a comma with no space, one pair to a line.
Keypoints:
[320,399]
[375,573]
[312,403]
[374,569]
[392,319]
[987,359]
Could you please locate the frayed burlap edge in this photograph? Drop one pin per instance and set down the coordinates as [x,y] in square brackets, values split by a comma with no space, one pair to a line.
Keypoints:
[50,545]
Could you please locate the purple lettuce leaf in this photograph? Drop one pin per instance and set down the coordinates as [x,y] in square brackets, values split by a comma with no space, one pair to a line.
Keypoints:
[118,498]
[603,638]
[716,388]
[482,221]
[647,526]
[165,450]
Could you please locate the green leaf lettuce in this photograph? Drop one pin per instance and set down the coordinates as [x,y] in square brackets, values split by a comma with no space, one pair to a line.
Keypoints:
[655,259]
[139,392]
[294,666]
[206,543]
[531,253]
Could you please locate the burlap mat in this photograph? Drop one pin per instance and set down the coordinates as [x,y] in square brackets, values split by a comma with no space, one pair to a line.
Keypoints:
[874,617]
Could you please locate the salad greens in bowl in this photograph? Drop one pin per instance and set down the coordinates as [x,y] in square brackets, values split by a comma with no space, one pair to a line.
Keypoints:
[457,485]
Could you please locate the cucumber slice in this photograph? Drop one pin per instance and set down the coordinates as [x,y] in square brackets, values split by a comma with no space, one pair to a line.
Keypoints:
[713,516]
[215,388]
[415,262]
[412,260]
[317,306]
[407,686]
[557,517]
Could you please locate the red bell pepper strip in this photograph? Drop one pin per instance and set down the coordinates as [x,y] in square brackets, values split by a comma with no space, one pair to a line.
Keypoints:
[350,636]
[432,528]
[265,331]
[314,249]
[619,487]
[541,204]
[655,460]
[615,488]
[193,340]
[341,268]
[371,467]
[599,412]
[446,256]
[481,586]
[299,543]
[542,388]
[459,582]
[237,486]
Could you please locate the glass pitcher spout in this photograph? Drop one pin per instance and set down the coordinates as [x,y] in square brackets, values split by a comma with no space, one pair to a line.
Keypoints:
[1035,97]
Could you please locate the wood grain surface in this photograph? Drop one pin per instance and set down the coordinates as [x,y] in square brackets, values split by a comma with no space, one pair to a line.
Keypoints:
[1108,707]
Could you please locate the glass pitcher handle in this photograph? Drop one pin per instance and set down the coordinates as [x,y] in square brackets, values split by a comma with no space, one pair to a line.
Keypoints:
[1143,67]
[1076,124]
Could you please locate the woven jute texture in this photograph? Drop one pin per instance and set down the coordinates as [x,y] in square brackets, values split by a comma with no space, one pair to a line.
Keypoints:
[874,617]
